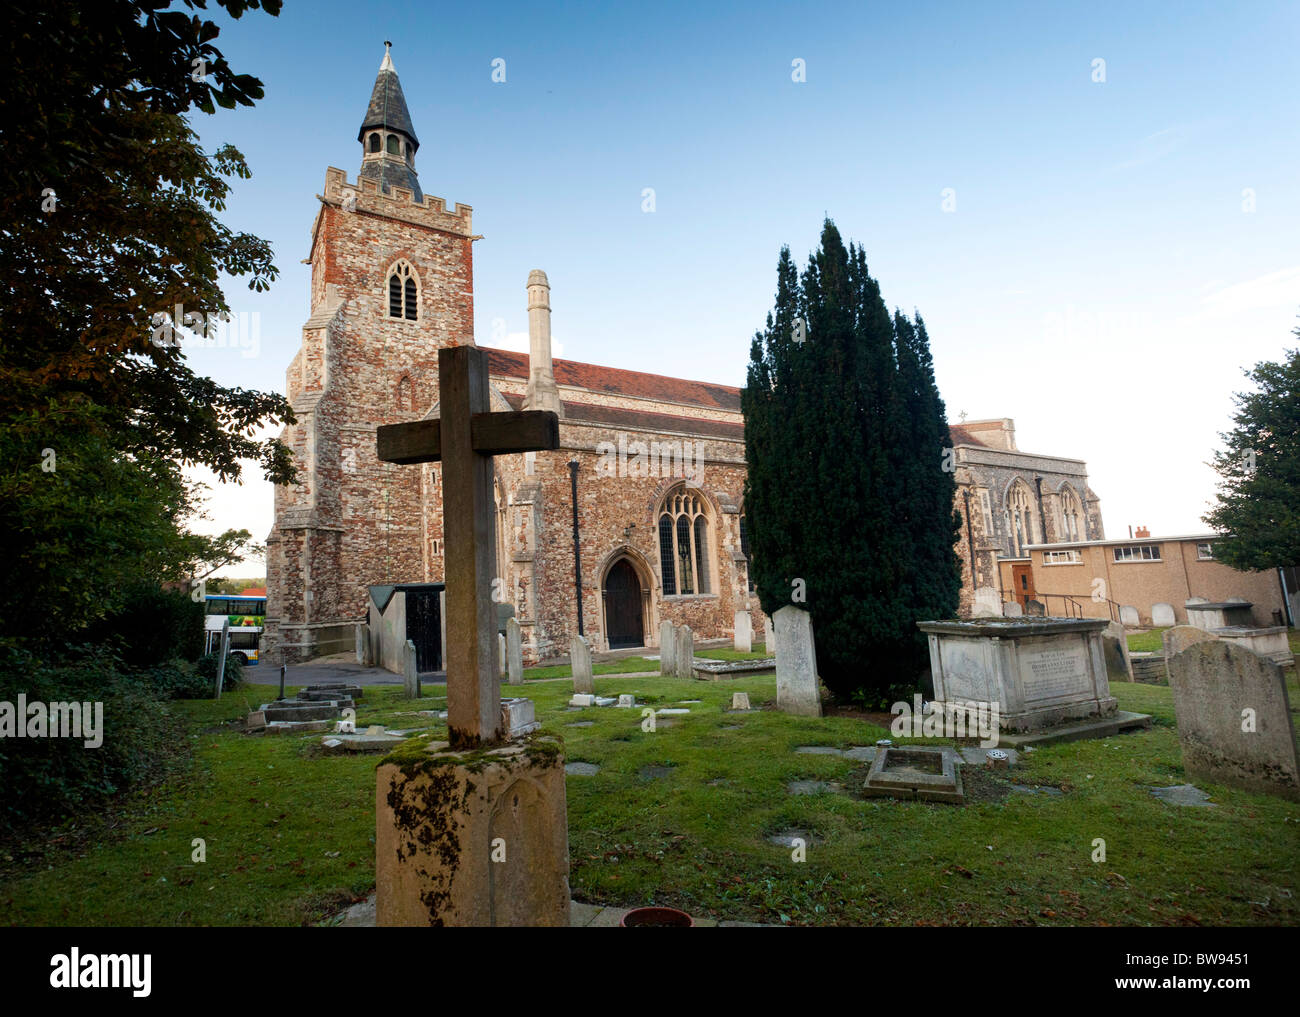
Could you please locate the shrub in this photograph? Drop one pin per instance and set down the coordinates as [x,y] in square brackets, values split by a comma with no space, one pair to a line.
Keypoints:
[207,670]
[177,679]
[45,777]
[153,627]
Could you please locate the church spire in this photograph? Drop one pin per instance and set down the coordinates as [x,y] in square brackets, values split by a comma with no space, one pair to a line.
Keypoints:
[387,136]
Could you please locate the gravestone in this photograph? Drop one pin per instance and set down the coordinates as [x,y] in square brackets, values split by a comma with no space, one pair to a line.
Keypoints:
[743,640]
[740,700]
[796,663]
[501,654]
[1234,719]
[1128,616]
[987,603]
[1012,609]
[410,672]
[1114,645]
[471,831]
[1162,615]
[363,644]
[684,643]
[514,652]
[1180,637]
[580,660]
[769,637]
[667,648]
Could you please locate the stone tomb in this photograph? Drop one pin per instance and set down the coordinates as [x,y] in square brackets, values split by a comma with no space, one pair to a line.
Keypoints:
[1048,676]
[1234,719]
[1270,642]
[932,775]
[1220,615]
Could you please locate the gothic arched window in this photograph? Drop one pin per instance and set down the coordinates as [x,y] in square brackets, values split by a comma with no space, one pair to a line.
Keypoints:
[1020,508]
[374,142]
[403,292]
[684,543]
[1071,509]
[394,146]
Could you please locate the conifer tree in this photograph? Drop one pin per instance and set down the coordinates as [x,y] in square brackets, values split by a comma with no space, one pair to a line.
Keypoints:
[848,505]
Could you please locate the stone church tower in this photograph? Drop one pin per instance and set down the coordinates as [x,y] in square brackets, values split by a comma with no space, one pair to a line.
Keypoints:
[391,283]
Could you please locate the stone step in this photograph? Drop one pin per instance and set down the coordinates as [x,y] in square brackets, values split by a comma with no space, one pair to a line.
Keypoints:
[294,710]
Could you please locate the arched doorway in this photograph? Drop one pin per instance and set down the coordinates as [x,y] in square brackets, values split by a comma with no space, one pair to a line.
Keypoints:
[623,606]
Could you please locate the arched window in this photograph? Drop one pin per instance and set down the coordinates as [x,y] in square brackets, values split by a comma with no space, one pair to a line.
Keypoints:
[394,145]
[1071,510]
[1020,509]
[403,292]
[684,543]
[405,393]
[374,142]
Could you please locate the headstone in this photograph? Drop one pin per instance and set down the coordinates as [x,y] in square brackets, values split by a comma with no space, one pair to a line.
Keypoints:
[1128,616]
[769,637]
[363,644]
[518,717]
[1012,609]
[987,603]
[1180,637]
[1114,645]
[439,818]
[626,701]
[514,652]
[580,659]
[411,673]
[796,663]
[667,648]
[501,654]
[1162,615]
[684,643]
[743,639]
[1234,719]
[740,700]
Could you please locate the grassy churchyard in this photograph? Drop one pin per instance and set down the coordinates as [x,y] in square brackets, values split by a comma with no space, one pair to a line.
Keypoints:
[691,815]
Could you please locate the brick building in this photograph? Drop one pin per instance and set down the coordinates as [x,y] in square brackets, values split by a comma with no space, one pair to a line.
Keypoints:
[658,462]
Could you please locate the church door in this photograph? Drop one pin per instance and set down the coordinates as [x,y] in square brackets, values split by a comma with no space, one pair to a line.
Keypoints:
[1022,576]
[424,628]
[623,606]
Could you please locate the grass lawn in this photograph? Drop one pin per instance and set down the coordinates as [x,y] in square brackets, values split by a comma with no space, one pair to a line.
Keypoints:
[1150,641]
[759,653]
[289,832]
[625,665]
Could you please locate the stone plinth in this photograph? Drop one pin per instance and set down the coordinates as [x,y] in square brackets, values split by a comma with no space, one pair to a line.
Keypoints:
[1040,672]
[1270,642]
[1220,615]
[472,838]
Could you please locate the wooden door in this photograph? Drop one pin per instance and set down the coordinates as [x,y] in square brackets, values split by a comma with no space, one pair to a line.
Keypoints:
[1022,579]
[623,606]
[424,628]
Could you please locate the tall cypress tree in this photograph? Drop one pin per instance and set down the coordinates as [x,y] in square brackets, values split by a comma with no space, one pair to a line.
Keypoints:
[846,498]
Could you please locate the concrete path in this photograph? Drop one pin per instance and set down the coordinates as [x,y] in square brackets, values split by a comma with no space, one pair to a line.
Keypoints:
[591,916]
[340,667]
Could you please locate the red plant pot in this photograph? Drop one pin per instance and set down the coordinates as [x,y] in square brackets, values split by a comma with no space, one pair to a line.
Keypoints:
[652,917]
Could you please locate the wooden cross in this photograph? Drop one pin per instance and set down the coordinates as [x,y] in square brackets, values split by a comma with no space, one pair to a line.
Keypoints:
[464,439]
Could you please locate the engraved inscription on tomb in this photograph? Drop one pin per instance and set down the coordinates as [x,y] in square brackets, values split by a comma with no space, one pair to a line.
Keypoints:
[1054,673]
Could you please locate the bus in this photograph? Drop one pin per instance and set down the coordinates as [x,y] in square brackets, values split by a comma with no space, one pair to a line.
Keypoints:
[247,615]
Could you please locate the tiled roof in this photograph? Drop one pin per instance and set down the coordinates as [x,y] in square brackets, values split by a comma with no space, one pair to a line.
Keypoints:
[961,436]
[614,381]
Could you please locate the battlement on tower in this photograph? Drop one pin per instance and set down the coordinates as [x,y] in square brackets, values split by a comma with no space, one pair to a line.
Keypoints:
[400,204]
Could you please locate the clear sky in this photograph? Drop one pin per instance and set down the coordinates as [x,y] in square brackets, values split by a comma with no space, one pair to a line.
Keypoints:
[1115,252]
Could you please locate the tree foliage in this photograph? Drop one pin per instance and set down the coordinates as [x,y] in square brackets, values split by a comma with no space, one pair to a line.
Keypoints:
[847,498]
[1258,502]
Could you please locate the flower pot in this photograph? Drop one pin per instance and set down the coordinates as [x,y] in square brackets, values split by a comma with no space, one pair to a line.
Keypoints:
[651,917]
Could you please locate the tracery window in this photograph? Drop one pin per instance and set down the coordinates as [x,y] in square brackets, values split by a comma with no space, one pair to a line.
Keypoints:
[1020,508]
[1071,514]
[403,292]
[684,543]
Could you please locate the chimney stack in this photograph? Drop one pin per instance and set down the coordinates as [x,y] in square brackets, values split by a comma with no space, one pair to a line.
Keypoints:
[542,392]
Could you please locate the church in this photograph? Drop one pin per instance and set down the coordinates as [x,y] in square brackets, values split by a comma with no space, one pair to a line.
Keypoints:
[637,518]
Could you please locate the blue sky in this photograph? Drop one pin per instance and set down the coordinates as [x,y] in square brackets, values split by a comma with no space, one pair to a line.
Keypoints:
[1099,278]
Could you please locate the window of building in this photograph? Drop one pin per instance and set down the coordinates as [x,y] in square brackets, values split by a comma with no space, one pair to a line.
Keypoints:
[684,543]
[394,145]
[1070,513]
[374,142]
[1020,510]
[403,292]
[987,512]
[1138,552]
[1205,552]
[1070,557]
